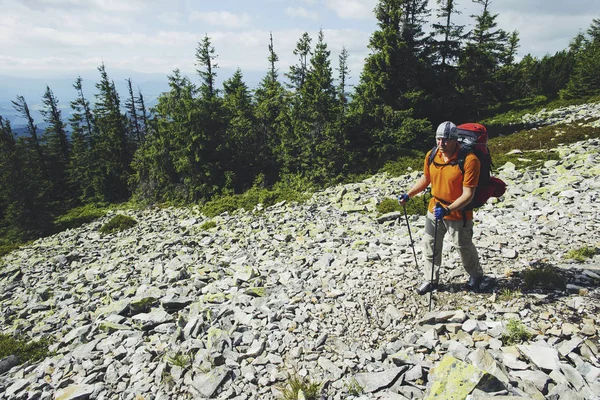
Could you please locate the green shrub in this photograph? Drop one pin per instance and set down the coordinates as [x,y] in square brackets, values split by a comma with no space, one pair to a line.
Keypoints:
[25,350]
[388,205]
[544,276]
[516,332]
[295,384]
[118,223]
[8,247]
[581,254]
[289,189]
[208,225]
[79,216]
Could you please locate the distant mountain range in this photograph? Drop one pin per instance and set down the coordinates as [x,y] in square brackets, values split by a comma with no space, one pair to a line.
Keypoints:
[33,89]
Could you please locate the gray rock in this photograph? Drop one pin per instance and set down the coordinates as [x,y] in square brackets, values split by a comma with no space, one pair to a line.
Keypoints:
[375,381]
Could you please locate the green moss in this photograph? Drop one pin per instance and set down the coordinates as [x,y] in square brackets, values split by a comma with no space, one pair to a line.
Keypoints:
[388,205]
[208,225]
[581,254]
[24,349]
[118,223]
[516,332]
[79,216]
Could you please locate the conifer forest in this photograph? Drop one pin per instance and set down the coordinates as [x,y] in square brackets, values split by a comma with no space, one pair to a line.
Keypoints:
[301,126]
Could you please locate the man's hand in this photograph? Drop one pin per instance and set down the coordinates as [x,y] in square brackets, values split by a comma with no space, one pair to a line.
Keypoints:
[440,211]
[403,198]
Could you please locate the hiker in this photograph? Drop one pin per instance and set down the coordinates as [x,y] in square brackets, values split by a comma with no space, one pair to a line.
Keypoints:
[451,191]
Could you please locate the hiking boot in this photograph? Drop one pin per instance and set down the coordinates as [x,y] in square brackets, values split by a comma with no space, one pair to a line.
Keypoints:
[474,283]
[426,287]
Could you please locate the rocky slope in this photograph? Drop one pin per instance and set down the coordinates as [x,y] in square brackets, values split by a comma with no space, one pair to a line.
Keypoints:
[322,290]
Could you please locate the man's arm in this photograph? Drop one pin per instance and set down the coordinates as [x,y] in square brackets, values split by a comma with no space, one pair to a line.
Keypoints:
[465,198]
[420,185]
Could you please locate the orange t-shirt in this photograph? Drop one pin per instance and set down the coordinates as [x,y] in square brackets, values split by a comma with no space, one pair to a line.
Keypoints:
[447,181]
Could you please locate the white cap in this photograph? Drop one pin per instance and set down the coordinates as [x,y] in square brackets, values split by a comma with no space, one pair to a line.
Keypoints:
[446,130]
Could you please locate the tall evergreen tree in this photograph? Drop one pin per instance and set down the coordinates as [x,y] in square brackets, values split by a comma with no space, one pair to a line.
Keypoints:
[383,117]
[163,164]
[205,60]
[112,150]
[81,164]
[343,77]
[585,80]
[132,113]
[246,148]
[485,53]
[57,148]
[297,73]
[272,119]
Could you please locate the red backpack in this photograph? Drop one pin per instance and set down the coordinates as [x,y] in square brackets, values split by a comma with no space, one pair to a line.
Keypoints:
[473,139]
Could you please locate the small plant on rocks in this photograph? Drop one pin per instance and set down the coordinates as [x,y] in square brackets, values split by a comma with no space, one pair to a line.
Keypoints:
[354,387]
[180,359]
[118,223]
[507,294]
[544,276]
[297,386]
[23,349]
[581,254]
[208,225]
[516,332]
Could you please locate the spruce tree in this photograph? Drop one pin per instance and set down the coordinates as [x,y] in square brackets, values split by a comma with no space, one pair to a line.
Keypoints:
[112,150]
[81,164]
[57,149]
[272,119]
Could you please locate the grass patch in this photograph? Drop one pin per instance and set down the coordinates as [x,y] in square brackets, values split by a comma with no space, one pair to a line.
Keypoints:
[25,350]
[581,254]
[354,388]
[180,359]
[208,225]
[79,216]
[117,223]
[8,247]
[507,294]
[296,385]
[545,276]
[516,332]
[291,188]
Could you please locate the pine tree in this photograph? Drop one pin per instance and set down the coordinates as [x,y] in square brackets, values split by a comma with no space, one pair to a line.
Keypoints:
[388,98]
[81,164]
[57,149]
[162,164]
[246,150]
[585,80]
[272,119]
[112,150]
[485,53]
[132,111]
[205,60]
[29,214]
[297,74]
[343,77]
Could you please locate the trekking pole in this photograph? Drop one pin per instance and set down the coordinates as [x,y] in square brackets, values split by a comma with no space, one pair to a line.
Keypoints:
[433,259]
[412,243]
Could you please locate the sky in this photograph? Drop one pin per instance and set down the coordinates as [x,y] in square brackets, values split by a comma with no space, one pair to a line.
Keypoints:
[69,38]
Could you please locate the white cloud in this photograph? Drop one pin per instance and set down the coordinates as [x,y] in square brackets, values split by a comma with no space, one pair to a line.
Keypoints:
[352,9]
[301,12]
[222,18]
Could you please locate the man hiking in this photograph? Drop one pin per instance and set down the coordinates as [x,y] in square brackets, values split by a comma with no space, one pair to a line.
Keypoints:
[451,190]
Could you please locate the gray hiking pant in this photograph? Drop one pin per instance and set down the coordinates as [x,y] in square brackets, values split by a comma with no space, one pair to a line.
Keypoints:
[462,238]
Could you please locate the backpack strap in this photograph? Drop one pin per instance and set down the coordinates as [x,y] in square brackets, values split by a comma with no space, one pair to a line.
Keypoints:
[432,155]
